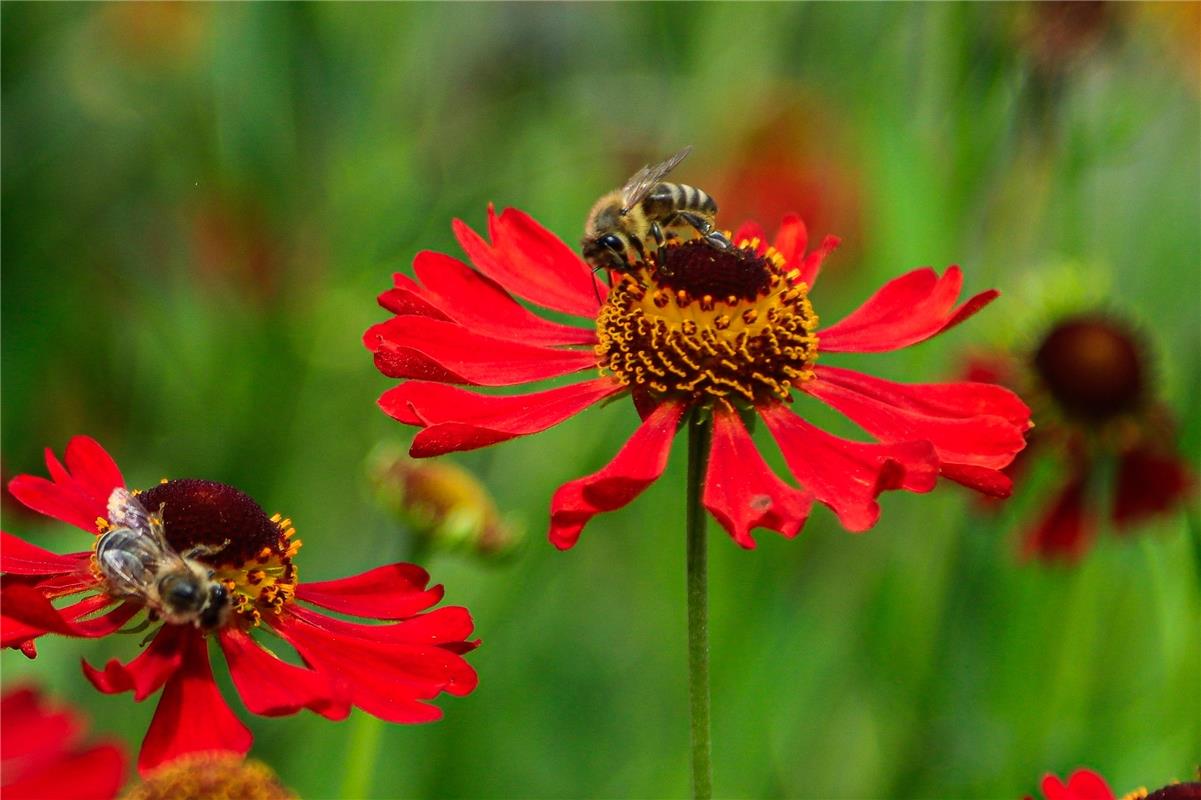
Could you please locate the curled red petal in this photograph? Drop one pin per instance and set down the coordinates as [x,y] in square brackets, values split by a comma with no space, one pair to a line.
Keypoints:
[147,673]
[742,492]
[456,419]
[1149,482]
[554,273]
[905,311]
[791,240]
[476,302]
[636,466]
[420,347]
[750,231]
[191,716]
[848,476]
[951,418]
[27,614]
[1065,528]
[272,687]
[394,591]
[19,557]
[811,264]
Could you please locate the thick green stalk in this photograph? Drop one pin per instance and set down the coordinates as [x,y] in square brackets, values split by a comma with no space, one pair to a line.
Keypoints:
[700,432]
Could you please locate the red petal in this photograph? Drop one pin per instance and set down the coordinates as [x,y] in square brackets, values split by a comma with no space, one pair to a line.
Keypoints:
[992,483]
[272,687]
[557,277]
[456,419]
[1148,483]
[905,311]
[390,592]
[750,231]
[404,301]
[192,717]
[478,303]
[62,502]
[1082,785]
[742,492]
[420,347]
[848,476]
[1065,529]
[636,466]
[19,557]
[811,265]
[946,415]
[33,731]
[78,493]
[145,674]
[28,614]
[93,468]
[791,240]
[96,773]
[440,626]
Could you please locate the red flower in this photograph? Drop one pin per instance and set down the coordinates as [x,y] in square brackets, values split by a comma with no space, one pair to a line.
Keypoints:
[1089,379]
[42,757]
[731,331]
[387,670]
[1083,784]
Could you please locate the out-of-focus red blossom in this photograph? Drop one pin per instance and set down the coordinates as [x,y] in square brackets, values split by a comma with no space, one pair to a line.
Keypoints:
[233,244]
[388,670]
[1084,784]
[43,757]
[1058,33]
[729,333]
[793,160]
[1094,397]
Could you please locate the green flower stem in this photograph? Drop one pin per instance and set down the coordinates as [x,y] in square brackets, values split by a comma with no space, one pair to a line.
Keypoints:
[362,749]
[700,432]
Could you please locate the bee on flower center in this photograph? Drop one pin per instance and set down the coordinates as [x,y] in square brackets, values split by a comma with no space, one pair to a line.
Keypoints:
[648,211]
[136,561]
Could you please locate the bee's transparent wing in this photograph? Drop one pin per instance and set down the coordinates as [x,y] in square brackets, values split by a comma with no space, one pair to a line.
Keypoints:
[125,511]
[129,560]
[641,182]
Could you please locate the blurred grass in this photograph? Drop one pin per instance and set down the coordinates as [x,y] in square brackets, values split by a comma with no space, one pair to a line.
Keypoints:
[201,201]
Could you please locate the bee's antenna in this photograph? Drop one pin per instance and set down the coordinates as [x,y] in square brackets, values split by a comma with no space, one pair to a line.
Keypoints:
[595,290]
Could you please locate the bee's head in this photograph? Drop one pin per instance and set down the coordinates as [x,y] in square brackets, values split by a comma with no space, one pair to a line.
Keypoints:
[217,608]
[606,251]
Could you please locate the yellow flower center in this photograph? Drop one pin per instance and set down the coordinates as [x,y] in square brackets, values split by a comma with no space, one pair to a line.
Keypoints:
[710,325]
[214,776]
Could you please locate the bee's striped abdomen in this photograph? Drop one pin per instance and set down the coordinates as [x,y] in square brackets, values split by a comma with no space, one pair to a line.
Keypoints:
[668,198]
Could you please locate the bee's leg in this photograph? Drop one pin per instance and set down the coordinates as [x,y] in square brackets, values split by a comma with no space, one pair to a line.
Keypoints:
[705,229]
[205,549]
[660,242]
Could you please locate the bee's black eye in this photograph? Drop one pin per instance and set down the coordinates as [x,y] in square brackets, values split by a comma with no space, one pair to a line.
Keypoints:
[613,242]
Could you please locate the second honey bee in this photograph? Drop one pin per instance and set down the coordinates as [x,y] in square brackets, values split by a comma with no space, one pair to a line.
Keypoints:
[645,213]
[138,562]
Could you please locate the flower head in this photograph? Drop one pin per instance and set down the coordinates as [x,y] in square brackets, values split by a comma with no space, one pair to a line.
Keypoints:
[389,670]
[211,776]
[696,332]
[1090,380]
[1084,784]
[41,753]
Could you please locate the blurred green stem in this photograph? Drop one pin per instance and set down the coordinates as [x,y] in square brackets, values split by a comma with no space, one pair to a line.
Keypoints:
[700,431]
[365,731]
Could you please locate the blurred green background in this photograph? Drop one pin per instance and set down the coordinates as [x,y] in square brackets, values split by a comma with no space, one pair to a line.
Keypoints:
[200,203]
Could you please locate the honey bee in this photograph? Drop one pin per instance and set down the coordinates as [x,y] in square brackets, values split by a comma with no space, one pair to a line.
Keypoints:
[647,208]
[137,562]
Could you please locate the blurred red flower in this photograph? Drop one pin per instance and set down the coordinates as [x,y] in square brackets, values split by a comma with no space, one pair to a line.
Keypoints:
[1092,388]
[387,670]
[1084,784]
[728,330]
[42,756]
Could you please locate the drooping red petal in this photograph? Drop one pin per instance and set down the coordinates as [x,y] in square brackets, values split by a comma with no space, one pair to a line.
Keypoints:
[1065,528]
[905,311]
[1083,784]
[272,687]
[19,557]
[954,418]
[77,493]
[95,773]
[394,591]
[555,273]
[28,614]
[192,717]
[420,347]
[147,673]
[440,626]
[385,679]
[791,240]
[636,466]
[1149,482]
[742,492]
[478,303]
[848,476]
[456,419]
